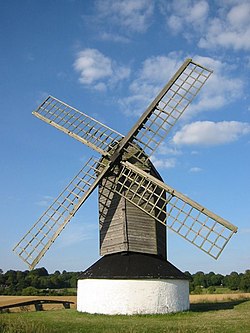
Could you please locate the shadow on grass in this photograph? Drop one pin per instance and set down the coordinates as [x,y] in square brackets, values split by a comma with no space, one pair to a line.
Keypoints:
[213,306]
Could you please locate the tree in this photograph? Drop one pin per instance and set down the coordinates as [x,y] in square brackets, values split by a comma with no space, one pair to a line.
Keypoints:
[73,281]
[199,279]
[2,279]
[33,280]
[189,275]
[245,281]
[10,278]
[232,281]
[39,272]
[216,280]
[209,277]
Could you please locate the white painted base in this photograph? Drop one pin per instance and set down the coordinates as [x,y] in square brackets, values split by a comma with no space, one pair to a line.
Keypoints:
[130,297]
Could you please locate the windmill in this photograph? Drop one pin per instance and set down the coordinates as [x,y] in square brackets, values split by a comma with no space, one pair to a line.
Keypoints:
[135,206]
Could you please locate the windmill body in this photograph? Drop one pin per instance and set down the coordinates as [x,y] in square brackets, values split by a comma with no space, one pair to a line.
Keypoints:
[133,271]
[123,226]
[135,206]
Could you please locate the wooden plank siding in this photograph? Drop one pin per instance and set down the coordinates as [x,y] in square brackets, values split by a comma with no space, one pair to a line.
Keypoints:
[124,227]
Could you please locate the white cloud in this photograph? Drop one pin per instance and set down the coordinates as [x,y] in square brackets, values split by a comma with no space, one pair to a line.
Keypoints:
[92,65]
[230,30]
[45,201]
[239,15]
[101,86]
[97,70]
[114,37]
[163,163]
[182,15]
[101,72]
[221,89]
[150,79]
[195,169]
[211,133]
[133,15]
[166,149]
[155,69]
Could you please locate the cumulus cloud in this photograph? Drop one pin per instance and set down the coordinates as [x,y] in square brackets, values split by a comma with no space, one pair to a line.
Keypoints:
[133,15]
[166,149]
[92,65]
[97,70]
[180,15]
[221,89]
[150,79]
[228,28]
[211,133]
[232,30]
[163,163]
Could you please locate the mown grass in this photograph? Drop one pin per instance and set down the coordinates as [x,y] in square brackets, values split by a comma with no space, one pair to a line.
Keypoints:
[221,317]
[217,290]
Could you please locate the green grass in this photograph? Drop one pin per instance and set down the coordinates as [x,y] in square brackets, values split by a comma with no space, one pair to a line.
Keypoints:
[224,290]
[224,317]
[218,290]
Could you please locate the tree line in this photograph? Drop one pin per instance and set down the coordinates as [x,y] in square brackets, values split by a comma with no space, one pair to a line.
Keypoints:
[233,281]
[40,282]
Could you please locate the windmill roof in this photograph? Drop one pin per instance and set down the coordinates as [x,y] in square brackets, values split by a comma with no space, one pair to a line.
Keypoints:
[132,265]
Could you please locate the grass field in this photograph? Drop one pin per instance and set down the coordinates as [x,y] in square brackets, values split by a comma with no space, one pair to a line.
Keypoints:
[207,315]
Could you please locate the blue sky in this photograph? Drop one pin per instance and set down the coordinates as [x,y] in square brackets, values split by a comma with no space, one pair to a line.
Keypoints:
[109,59]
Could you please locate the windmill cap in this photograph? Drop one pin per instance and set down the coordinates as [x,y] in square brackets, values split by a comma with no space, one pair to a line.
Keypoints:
[132,265]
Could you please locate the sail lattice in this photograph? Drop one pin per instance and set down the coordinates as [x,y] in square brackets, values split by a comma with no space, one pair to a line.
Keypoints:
[195,223]
[169,106]
[41,236]
[78,125]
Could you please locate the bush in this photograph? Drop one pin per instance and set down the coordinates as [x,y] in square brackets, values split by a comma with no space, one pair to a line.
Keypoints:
[30,291]
[198,290]
[211,290]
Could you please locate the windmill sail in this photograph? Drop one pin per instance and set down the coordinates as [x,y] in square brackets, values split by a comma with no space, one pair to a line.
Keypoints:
[155,124]
[78,125]
[195,223]
[44,232]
